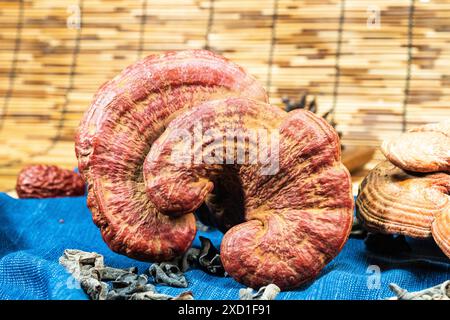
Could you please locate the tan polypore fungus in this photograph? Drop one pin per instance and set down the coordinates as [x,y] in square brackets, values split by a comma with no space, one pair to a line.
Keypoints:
[283,226]
[417,204]
[422,149]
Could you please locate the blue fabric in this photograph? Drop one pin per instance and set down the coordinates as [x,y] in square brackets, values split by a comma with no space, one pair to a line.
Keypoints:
[34,234]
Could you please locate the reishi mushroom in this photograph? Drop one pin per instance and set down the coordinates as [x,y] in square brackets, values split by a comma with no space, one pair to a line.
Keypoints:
[422,149]
[295,219]
[126,116]
[283,226]
[394,199]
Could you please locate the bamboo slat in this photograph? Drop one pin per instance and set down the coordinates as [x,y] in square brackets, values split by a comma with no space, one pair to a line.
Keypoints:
[379,79]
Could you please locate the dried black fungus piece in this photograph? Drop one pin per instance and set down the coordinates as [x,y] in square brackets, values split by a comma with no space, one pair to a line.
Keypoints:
[439,292]
[79,263]
[95,289]
[108,273]
[89,269]
[135,287]
[189,259]
[209,258]
[311,105]
[148,295]
[129,284]
[168,273]
[303,103]
[269,292]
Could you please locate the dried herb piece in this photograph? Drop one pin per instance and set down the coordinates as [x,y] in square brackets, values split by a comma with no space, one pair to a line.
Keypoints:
[209,258]
[130,283]
[95,289]
[189,259]
[149,295]
[90,270]
[127,285]
[439,292]
[79,263]
[135,287]
[168,273]
[108,273]
[268,292]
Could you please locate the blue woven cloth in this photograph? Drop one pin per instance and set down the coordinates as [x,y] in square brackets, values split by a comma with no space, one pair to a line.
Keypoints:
[34,234]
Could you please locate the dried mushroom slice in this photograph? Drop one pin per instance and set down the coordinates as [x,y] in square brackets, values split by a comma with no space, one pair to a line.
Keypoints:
[423,149]
[296,210]
[394,201]
[126,116]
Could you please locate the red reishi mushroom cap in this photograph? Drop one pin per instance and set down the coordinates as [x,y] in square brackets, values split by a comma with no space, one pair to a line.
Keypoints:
[294,220]
[126,116]
[292,224]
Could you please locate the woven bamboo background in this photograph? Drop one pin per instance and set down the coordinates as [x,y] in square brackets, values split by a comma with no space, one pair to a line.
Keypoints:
[379,79]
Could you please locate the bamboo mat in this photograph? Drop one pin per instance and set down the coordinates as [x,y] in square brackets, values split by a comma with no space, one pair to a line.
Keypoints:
[378,78]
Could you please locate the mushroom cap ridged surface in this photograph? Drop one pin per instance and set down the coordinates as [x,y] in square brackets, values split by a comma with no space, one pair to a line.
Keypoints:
[127,114]
[422,149]
[441,231]
[295,217]
[395,201]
